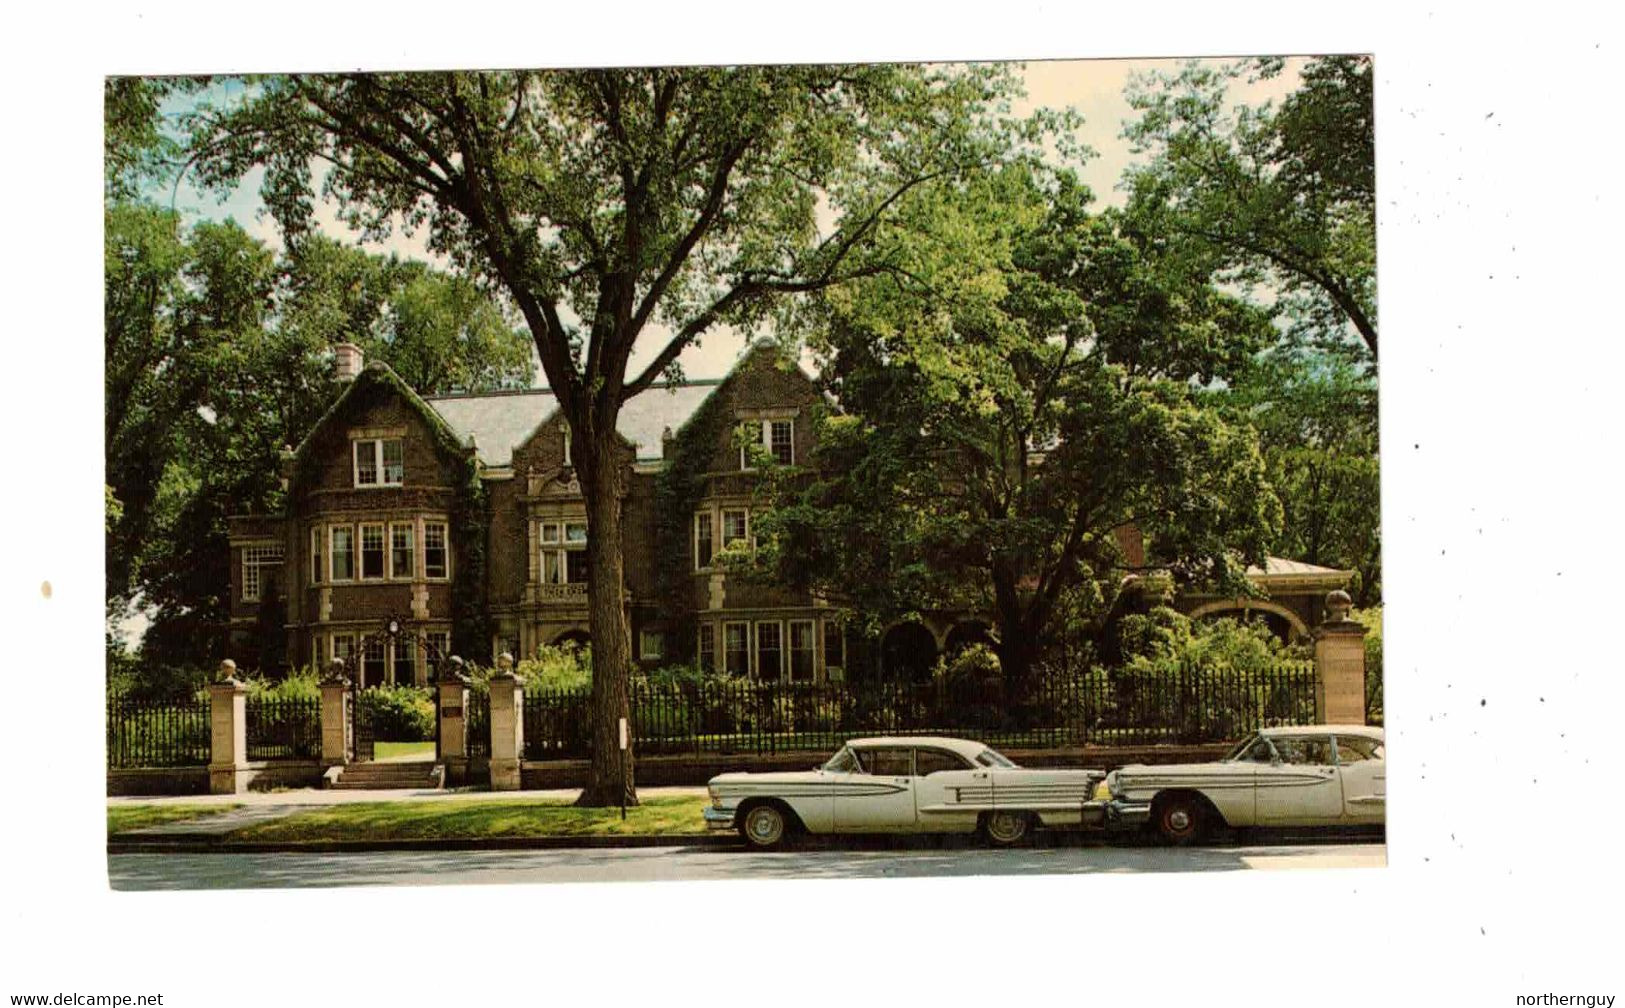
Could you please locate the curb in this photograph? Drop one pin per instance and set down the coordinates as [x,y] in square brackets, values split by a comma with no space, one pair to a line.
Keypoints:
[178,844]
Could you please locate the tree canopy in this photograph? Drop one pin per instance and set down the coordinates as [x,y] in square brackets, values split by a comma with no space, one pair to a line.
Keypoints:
[1021,396]
[1280,197]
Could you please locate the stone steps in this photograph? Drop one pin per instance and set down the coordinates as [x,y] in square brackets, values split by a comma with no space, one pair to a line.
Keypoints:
[372,776]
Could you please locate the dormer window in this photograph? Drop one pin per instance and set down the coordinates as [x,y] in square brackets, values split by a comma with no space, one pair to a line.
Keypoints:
[379,462]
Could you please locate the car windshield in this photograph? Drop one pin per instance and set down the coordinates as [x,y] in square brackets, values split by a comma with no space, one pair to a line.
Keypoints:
[842,762]
[1240,749]
[991,758]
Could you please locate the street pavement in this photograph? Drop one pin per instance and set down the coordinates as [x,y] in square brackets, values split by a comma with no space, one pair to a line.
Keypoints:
[835,860]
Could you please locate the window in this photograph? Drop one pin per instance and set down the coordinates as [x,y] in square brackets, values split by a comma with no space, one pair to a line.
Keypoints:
[780,441]
[439,645]
[651,644]
[372,552]
[434,550]
[341,538]
[704,547]
[776,436]
[373,664]
[379,462]
[736,648]
[406,660]
[769,650]
[1354,748]
[564,552]
[344,650]
[401,551]
[843,762]
[1305,751]
[261,562]
[801,651]
[888,762]
[834,647]
[316,555]
[735,526]
[930,761]
[707,646]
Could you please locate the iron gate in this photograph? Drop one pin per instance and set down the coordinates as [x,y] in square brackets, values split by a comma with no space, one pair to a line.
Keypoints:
[363,733]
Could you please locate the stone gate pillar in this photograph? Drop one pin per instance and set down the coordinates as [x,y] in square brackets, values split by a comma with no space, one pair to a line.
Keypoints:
[507,725]
[1339,664]
[335,715]
[228,732]
[452,710]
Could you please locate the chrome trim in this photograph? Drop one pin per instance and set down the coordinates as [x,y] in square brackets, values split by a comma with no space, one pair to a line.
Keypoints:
[719,818]
[1122,814]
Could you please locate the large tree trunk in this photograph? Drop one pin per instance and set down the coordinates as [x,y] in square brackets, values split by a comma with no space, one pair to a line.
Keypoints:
[610,777]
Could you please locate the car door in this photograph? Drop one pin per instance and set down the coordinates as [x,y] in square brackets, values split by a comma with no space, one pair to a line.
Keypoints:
[880,796]
[1302,788]
[944,783]
[1363,770]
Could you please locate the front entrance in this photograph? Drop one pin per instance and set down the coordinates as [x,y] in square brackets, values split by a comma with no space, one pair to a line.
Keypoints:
[397,722]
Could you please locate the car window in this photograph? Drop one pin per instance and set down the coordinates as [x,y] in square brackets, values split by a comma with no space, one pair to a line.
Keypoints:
[1305,751]
[990,758]
[889,762]
[930,761]
[1354,748]
[1259,752]
[842,762]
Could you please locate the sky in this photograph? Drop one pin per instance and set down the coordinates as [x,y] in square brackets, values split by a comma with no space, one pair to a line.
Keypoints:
[1092,88]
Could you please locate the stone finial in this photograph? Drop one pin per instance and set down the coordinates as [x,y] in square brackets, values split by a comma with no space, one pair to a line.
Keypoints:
[335,673]
[228,671]
[1338,604]
[451,671]
[504,667]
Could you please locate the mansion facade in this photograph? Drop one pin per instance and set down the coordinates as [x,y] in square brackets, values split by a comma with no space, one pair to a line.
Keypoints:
[460,517]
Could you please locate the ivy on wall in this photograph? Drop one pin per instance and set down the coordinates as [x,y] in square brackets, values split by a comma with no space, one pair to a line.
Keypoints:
[679,489]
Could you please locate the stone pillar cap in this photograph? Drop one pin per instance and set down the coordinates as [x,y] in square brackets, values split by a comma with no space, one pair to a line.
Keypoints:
[335,674]
[451,671]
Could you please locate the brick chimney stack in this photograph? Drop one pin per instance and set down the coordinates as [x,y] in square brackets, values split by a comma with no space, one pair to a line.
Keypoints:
[347,361]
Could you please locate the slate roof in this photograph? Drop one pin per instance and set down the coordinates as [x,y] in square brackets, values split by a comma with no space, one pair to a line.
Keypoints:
[1280,567]
[502,421]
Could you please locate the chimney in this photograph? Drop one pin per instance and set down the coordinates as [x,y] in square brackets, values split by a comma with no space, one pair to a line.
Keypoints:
[346,361]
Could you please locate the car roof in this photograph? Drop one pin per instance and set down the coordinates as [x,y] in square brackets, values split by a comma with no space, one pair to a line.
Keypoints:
[1369,731]
[965,747]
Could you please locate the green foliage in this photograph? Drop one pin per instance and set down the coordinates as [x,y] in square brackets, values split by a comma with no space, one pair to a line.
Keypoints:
[1026,393]
[977,665]
[1372,620]
[1164,640]
[301,684]
[399,713]
[1282,197]
[561,667]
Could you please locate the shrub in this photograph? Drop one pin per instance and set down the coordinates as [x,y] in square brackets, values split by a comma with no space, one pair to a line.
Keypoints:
[399,713]
[562,667]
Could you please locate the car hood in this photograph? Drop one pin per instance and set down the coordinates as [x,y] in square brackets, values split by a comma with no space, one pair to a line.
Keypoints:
[776,777]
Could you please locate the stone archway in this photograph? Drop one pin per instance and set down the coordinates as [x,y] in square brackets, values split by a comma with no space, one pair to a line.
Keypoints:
[1296,629]
[907,653]
[573,638]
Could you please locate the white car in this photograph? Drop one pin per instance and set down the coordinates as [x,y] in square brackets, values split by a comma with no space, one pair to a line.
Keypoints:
[1312,775]
[905,784]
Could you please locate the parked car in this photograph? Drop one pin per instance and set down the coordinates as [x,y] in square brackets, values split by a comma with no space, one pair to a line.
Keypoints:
[1318,775]
[908,784]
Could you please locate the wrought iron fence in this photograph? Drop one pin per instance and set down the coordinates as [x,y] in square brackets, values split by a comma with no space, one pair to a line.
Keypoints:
[1097,706]
[148,733]
[284,728]
[477,724]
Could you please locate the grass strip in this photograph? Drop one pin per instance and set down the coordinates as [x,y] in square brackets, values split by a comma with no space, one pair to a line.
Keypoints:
[123,818]
[419,820]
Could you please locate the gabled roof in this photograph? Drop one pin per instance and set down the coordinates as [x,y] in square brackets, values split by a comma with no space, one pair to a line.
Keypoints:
[376,374]
[502,421]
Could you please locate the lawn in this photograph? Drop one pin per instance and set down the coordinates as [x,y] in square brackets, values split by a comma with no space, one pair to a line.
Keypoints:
[537,817]
[402,750]
[122,818]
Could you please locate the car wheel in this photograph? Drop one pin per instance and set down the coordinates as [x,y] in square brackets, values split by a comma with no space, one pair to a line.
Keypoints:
[1006,829]
[764,827]
[1180,820]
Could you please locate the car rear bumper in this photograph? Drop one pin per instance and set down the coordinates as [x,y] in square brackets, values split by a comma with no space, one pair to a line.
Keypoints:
[719,818]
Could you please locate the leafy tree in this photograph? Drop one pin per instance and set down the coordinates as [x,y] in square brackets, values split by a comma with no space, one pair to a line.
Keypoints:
[1021,397]
[1282,197]
[611,204]
[1316,415]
